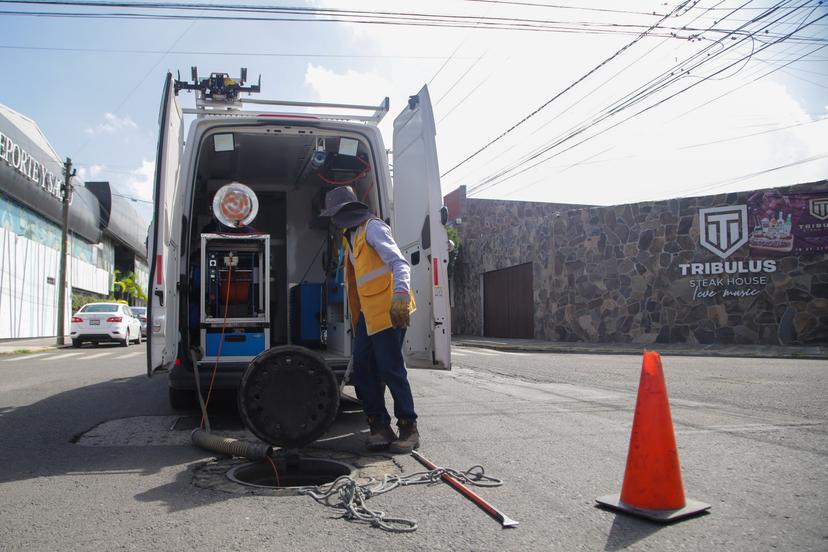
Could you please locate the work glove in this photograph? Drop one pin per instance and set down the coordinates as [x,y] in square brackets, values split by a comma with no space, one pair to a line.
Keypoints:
[400,315]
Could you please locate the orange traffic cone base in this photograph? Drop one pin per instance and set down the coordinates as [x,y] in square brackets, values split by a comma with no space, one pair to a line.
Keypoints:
[691,508]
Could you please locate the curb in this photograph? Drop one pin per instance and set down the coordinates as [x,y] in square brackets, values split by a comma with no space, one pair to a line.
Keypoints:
[801,355]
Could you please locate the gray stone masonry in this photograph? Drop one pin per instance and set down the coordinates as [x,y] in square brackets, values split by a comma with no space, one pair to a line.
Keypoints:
[612,275]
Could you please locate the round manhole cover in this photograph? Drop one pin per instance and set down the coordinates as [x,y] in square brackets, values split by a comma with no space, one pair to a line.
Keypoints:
[288,396]
[298,472]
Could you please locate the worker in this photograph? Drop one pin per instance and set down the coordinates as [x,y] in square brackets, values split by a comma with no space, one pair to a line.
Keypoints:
[377,278]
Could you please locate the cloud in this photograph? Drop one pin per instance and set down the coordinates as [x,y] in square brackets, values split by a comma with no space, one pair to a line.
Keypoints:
[90,172]
[354,87]
[135,185]
[111,124]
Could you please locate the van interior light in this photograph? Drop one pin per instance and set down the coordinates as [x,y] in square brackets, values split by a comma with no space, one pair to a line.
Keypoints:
[223,142]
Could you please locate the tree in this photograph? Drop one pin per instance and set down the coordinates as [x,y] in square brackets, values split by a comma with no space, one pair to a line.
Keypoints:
[454,252]
[126,287]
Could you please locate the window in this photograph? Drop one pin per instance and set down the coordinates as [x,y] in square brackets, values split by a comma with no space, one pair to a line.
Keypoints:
[99,307]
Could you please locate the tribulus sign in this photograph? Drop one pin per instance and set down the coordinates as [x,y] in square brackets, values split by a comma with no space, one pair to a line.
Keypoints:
[727,267]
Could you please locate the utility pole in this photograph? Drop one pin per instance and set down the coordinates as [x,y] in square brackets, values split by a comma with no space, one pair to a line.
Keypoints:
[67,198]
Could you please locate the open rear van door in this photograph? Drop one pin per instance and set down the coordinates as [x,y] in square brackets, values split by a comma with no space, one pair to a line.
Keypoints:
[420,233]
[162,246]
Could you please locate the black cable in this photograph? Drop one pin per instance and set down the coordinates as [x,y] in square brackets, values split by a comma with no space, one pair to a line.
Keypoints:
[605,130]
[216,53]
[605,82]
[324,242]
[562,92]
[493,181]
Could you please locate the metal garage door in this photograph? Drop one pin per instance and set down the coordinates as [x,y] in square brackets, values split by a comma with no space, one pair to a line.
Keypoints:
[508,305]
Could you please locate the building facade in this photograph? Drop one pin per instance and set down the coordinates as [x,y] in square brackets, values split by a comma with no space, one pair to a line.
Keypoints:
[745,268]
[31,184]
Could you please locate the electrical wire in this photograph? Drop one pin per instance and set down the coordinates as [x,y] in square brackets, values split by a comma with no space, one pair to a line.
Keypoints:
[325,15]
[362,173]
[459,79]
[221,342]
[562,92]
[222,53]
[275,471]
[502,176]
[598,87]
[728,181]
[540,150]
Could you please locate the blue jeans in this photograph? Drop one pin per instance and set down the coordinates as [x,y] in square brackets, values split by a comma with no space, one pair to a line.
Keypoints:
[378,362]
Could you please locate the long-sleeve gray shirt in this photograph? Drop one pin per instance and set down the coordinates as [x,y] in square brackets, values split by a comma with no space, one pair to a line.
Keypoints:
[378,235]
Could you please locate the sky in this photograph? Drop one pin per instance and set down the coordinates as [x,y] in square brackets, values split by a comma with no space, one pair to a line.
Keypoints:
[754,114]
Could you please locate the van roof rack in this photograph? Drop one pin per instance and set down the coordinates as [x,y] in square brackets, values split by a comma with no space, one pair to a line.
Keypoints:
[218,96]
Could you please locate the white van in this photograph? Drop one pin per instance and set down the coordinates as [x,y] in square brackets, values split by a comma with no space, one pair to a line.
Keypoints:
[272,153]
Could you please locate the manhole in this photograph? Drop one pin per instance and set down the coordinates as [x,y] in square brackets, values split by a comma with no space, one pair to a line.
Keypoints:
[294,472]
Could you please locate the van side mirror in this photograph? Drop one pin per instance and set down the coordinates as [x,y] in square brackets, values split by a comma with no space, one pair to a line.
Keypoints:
[444,215]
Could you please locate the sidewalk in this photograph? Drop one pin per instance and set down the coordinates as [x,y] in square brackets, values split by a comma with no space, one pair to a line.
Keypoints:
[665,349]
[30,345]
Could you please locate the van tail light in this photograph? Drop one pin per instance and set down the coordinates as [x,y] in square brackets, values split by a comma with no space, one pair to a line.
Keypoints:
[115,319]
[77,319]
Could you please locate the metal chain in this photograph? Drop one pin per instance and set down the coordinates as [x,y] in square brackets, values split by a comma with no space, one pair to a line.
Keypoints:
[348,496]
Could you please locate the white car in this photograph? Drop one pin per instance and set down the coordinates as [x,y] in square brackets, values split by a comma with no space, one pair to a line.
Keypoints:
[97,322]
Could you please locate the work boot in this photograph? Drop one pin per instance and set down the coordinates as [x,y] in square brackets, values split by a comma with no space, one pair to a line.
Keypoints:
[409,437]
[381,435]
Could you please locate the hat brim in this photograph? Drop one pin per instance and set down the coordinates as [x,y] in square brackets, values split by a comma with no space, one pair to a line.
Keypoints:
[334,209]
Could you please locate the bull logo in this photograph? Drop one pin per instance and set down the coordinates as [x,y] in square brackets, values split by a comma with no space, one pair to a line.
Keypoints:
[819,208]
[723,230]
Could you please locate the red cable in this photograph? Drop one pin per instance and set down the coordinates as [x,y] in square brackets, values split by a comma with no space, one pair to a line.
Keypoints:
[345,182]
[275,471]
[221,342]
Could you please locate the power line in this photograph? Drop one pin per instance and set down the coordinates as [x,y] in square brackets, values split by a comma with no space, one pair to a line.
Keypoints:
[728,181]
[562,92]
[602,84]
[459,79]
[493,180]
[218,53]
[563,7]
[743,136]
[616,106]
[327,15]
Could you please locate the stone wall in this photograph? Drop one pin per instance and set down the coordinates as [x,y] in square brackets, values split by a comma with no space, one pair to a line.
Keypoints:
[612,274]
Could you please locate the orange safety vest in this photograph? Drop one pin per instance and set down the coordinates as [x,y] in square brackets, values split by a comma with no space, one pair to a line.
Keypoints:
[370,284]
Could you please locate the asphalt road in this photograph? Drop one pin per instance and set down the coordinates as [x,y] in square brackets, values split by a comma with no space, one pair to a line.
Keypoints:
[88,460]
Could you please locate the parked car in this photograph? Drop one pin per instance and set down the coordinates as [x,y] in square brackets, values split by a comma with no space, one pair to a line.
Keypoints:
[99,322]
[141,313]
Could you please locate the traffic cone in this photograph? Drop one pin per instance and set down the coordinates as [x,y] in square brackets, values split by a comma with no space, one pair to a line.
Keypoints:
[652,486]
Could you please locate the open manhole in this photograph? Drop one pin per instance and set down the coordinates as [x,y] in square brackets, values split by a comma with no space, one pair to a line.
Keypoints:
[293,472]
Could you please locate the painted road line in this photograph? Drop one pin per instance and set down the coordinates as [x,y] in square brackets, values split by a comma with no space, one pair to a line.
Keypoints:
[64,355]
[455,352]
[98,355]
[128,355]
[20,357]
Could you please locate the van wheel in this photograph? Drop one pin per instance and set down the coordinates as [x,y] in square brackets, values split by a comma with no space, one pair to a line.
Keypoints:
[182,399]
[76,343]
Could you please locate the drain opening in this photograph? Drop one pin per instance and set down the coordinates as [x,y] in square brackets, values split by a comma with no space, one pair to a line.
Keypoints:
[301,472]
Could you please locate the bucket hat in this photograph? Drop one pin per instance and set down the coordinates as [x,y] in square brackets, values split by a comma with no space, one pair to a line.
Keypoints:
[338,198]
